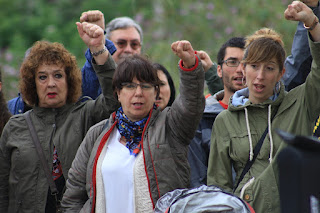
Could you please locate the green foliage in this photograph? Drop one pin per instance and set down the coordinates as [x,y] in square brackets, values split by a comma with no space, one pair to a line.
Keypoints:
[207,24]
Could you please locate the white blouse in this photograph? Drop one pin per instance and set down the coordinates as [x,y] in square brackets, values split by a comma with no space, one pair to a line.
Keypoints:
[117,174]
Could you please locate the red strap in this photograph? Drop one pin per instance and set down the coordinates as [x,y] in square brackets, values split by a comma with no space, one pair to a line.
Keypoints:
[250,207]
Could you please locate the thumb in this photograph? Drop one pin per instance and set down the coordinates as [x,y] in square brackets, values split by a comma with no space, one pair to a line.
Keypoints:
[79,28]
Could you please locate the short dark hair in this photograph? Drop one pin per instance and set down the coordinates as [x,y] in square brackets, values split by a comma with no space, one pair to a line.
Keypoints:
[135,66]
[158,66]
[232,42]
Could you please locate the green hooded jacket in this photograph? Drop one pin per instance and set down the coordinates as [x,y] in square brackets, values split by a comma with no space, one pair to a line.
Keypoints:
[235,128]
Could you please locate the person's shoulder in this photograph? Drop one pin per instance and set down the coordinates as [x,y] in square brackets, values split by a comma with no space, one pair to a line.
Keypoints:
[212,100]
[16,123]
[13,100]
[82,102]
[224,115]
[17,118]
[158,114]
[102,126]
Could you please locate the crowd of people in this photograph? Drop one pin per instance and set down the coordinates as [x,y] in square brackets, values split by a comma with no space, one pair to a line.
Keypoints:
[114,136]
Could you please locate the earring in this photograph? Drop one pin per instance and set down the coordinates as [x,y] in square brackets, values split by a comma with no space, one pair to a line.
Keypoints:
[244,84]
[277,88]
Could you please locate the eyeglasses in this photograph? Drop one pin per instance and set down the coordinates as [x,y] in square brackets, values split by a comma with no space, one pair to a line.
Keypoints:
[231,62]
[123,43]
[133,86]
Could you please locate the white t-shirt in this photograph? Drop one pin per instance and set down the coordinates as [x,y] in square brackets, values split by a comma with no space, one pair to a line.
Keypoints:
[117,174]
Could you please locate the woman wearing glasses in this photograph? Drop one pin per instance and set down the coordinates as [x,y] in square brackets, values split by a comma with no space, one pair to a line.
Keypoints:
[128,161]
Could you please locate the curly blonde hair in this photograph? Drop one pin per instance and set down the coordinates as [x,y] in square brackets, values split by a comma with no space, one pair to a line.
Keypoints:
[264,45]
[44,52]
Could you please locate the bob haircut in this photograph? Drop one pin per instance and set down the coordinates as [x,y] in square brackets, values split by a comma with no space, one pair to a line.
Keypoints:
[135,66]
[264,45]
[44,52]
[170,81]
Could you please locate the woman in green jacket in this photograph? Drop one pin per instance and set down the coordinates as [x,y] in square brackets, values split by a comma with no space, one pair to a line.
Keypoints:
[237,130]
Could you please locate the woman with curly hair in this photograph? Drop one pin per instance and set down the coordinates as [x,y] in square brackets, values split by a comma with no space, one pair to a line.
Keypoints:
[4,112]
[51,84]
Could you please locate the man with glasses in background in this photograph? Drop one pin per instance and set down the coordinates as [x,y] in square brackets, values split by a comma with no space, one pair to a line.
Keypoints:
[127,37]
[229,70]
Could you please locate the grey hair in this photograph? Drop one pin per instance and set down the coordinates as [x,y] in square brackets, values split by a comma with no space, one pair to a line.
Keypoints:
[123,23]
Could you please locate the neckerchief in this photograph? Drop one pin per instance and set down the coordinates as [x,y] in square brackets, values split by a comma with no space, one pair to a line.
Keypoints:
[131,131]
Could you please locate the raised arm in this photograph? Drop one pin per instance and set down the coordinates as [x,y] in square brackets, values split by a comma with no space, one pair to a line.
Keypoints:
[93,36]
[188,107]
[298,11]
[90,83]
[213,81]
[298,64]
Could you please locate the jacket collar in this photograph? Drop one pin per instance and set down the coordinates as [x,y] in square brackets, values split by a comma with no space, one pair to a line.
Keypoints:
[212,103]
[50,114]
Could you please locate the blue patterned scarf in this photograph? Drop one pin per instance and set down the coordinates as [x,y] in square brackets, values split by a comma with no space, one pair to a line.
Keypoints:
[131,131]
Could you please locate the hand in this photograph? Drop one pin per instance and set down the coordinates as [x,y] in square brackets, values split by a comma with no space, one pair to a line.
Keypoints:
[92,35]
[311,3]
[93,17]
[298,11]
[205,60]
[185,52]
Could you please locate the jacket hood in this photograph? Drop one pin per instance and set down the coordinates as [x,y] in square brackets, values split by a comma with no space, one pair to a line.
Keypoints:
[212,103]
[240,99]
